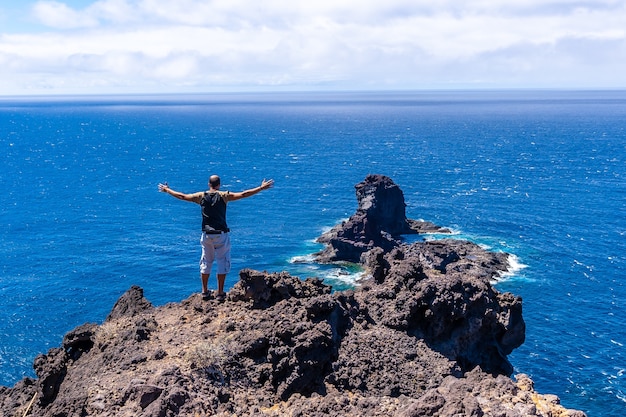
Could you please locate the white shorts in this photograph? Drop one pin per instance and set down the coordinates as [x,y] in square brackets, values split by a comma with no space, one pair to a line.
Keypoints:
[215,248]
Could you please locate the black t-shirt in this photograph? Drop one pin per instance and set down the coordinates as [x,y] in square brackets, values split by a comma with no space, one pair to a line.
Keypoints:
[213,206]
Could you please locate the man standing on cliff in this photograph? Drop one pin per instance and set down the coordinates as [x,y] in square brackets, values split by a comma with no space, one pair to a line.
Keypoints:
[215,238]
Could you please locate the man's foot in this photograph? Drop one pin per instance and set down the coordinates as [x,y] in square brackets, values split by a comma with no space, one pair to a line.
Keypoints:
[221,297]
[206,295]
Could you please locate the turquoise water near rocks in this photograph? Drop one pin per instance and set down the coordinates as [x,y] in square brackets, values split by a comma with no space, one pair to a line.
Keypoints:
[539,174]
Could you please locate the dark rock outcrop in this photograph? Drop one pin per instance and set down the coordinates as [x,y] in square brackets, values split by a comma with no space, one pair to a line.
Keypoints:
[425,335]
[130,304]
[440,292]
[379,222]
[299,350]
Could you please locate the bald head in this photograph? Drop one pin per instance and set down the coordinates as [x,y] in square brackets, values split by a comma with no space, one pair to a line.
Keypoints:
[214,182]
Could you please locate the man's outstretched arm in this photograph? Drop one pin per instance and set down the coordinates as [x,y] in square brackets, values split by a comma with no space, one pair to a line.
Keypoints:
[164,188]
[252,191]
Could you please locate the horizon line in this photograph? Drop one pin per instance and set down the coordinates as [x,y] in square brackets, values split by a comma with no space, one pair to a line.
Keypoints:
[309,92]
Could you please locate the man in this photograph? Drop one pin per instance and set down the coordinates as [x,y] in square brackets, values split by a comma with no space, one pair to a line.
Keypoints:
[215,238]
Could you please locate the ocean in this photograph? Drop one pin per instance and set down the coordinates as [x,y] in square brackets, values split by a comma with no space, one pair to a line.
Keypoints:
[538,174]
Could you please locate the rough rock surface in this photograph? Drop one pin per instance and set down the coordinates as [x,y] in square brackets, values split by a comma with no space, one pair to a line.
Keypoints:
[425,335]
[379,221]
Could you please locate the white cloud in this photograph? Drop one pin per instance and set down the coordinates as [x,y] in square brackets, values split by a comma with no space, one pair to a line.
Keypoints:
[58,15]
[139,45]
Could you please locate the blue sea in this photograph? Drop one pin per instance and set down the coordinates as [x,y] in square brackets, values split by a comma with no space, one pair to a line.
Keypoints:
[538,174]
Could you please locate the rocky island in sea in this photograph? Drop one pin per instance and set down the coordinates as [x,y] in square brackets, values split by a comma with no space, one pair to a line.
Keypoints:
[424,334]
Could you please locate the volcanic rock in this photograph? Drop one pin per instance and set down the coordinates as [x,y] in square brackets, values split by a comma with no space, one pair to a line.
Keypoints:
[425,334]
[380,221]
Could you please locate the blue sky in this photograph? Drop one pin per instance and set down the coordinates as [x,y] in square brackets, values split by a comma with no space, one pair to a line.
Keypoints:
[166,46]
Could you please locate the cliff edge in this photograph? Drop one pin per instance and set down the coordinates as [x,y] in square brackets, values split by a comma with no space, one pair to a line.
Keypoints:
[424,335]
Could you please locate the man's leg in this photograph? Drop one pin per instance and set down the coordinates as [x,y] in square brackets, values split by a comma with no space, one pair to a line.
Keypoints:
[206,261]
[222,252]
[221,278]
[205,283]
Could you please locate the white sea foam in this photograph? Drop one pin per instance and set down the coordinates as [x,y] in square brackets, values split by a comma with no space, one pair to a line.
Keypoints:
[454,234]
[326,229]
[515,265]
[342,276]
[336,275]
[302,259]
[513,269]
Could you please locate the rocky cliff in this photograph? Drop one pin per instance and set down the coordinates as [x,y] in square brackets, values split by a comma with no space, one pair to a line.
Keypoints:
[424,335]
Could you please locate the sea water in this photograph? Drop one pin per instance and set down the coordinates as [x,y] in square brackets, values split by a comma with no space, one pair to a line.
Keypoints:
[538,174]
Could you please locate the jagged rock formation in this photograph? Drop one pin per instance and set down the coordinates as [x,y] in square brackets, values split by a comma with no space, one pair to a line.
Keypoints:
[379,221]
[425,335]
[278,346]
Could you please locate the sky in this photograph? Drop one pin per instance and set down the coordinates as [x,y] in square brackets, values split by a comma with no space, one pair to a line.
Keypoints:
[194,46]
